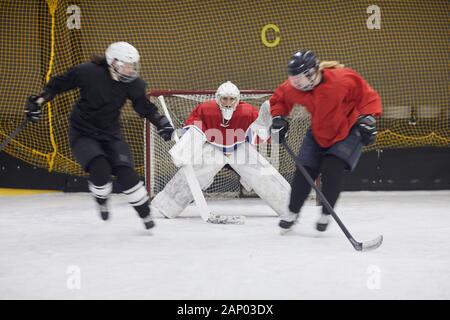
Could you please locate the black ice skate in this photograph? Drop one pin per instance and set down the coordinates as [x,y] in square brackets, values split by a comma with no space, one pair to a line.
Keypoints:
[287,221]
[103,208]
[148,222]
[323,222]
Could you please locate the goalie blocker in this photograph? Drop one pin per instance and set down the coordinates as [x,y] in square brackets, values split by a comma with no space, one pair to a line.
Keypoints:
[207,160]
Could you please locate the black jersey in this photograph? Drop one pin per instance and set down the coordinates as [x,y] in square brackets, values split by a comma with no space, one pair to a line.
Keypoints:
[101,97]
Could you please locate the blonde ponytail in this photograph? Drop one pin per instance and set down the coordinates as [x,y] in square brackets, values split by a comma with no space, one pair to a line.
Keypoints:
[330,65]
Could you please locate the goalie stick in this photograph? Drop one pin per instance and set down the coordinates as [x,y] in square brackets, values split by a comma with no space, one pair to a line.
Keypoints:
[359,246]
[196,190]
[14,133]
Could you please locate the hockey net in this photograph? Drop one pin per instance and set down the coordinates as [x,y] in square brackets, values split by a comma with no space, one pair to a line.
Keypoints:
[159,168]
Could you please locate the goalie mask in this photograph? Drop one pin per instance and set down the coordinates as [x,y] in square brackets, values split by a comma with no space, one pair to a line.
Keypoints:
[303,70]
[227,98]
[123,61]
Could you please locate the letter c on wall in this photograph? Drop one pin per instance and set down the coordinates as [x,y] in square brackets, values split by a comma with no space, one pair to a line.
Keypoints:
[264,40]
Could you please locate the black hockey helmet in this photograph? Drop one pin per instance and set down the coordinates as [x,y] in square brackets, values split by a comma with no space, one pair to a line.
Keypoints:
[304,61]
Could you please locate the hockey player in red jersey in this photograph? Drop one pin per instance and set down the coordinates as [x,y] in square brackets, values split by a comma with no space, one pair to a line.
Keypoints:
[220,132]
[343,110]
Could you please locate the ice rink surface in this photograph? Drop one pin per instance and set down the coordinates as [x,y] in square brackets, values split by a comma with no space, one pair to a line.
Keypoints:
[54,246]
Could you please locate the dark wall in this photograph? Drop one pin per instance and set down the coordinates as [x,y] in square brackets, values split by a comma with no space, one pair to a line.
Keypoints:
[402,169]
[15,173]
[397,169]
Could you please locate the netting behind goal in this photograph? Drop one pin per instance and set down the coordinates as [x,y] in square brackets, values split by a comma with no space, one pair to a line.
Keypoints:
[159,168]
[399,47]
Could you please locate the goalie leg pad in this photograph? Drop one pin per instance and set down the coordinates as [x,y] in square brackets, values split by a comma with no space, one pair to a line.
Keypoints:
[265,180]
[247,186]
[176,195]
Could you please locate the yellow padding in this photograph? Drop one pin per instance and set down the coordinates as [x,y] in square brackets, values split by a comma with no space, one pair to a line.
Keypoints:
[21,192]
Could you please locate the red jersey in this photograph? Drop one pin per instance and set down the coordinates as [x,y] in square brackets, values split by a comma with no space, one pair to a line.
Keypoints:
[208,117]
[335,104]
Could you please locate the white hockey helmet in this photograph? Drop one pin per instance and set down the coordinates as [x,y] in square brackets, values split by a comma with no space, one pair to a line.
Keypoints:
[227,106]
[123,61]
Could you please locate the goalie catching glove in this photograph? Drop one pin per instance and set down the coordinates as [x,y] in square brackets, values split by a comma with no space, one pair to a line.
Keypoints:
[280,127]
[367,129]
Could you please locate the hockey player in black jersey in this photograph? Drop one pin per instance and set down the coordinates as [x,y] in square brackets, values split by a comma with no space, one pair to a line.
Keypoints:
[95,136]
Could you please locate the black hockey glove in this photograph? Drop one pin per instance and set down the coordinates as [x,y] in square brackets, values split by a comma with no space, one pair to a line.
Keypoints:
[366,126]
[279,129]
[33,108]
[165,129]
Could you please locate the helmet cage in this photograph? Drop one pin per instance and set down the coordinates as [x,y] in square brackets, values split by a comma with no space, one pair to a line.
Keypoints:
[227,89]
[305,81]
[124,71]
[227,108]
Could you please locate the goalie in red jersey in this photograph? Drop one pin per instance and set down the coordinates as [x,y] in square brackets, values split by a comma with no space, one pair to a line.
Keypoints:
[343,108]
[226,119]
[218,133]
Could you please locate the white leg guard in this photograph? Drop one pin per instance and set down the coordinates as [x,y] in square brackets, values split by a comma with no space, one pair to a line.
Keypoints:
[265,180]
[136,195]
[176,195]
[101,192]
[247,186]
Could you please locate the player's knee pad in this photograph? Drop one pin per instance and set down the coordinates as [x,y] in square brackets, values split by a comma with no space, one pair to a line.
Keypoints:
[136,195]
[101,192]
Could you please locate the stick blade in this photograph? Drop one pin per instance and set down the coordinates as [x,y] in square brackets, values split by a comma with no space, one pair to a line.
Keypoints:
[372,244]
[218,219]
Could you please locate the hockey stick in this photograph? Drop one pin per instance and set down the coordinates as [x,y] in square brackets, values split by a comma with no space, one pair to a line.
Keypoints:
[196,190]
[359,246]
[14,133]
